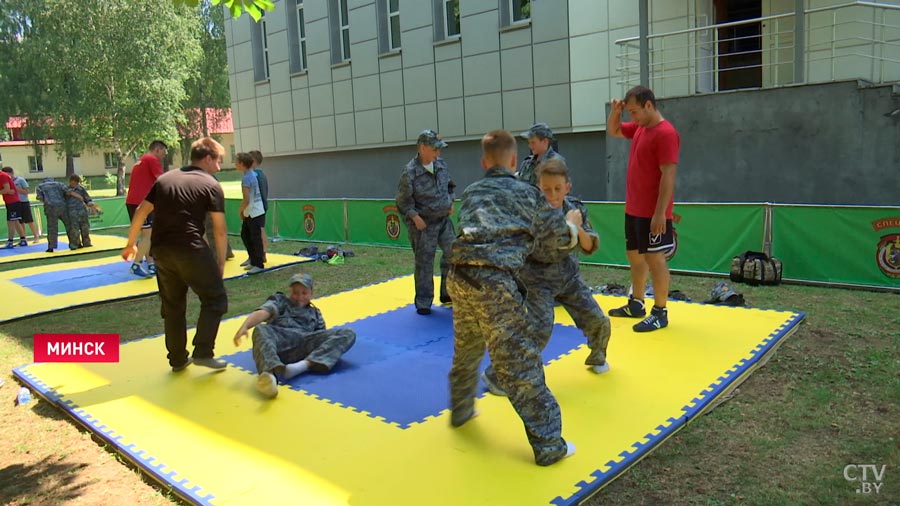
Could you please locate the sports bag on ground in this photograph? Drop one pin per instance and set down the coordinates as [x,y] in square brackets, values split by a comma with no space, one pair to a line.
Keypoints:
[755,268]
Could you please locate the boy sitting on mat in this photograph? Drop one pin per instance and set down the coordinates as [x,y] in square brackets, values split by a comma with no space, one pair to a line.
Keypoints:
[501,221]
[559,279]
[294,339]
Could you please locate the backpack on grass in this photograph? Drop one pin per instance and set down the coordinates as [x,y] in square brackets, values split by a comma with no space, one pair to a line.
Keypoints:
[756,268]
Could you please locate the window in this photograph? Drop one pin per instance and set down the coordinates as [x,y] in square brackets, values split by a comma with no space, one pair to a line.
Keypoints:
[301,33]
[388,14]
[110,161]
[265,43]
[446,19]
[259,41]
[521,10]
[394,24]
[35,164]
[339,18]
[513,12]
[296,31]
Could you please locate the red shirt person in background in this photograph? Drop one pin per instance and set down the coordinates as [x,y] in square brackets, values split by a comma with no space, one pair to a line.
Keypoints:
[143,174]
[649,196]
[13,216]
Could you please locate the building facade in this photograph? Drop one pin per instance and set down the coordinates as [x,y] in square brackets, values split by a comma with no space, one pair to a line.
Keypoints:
[335,92]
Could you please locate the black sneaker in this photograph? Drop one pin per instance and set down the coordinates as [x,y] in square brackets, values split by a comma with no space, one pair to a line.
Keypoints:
[423,310]
[179,368]
[634,309]
[446,300]
[659,318]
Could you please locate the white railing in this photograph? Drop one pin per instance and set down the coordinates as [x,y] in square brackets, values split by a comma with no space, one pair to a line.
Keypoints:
[854,40]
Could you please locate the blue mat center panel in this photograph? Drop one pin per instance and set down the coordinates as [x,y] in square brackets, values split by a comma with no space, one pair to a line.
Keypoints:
[399,362]
[81,278]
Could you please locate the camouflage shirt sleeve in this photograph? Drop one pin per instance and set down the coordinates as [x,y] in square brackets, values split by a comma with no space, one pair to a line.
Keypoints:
[574,203]
[274,305]
[405,201]
[320,321]
[553,234]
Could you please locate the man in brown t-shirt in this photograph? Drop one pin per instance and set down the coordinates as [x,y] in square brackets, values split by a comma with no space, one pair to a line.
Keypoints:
[181,199]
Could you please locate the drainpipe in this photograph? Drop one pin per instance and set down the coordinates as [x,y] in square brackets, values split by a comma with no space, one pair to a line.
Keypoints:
[644,22]
[799,42]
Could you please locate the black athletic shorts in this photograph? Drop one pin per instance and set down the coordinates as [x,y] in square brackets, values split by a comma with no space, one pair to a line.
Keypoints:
[148,223]
[25,212]
[12,212]
[638,236]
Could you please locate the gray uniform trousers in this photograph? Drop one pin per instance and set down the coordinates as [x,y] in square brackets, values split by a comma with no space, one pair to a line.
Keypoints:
[273,347]
[489,310]
[78,229]
[54,214]
[437,234]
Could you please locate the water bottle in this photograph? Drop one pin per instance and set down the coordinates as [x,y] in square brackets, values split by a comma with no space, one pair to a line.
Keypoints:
[24,396]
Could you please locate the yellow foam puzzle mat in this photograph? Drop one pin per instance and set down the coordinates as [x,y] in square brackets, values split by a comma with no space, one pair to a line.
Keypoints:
[49,288]
[38,251]
[376,431]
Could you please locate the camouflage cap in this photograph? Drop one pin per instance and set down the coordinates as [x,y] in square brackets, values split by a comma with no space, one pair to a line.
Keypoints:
[539,129]
[431,138]
[304,279]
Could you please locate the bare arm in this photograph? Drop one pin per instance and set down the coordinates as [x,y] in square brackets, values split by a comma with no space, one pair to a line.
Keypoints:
[244,203]
[666,190]
[614,121]
[220,232]
[254,319]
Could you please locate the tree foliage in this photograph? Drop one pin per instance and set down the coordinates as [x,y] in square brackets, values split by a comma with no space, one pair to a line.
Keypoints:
[112,73]
[236,7]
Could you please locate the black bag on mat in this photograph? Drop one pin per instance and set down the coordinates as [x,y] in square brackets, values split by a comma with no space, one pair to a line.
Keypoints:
[755,268]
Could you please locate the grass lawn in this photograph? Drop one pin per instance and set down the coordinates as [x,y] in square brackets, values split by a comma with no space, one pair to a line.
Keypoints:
[829,397]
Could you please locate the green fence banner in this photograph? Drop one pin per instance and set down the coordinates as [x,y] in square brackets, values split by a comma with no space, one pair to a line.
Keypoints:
[707,236]
[232,220]
[311,220]
[376,222]
[112,213]
[854,245]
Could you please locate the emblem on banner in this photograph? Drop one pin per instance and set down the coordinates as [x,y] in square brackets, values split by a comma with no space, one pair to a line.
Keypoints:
[887,254]
[309,219]
[392,222]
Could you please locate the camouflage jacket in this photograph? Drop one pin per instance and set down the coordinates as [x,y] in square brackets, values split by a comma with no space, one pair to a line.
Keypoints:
[52,193]
[529,165]
[75,204]
[287,314]
[565,264]
[422,193]
[503,220]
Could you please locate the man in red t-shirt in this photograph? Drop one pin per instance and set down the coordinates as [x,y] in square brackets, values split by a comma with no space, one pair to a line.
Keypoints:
[649,196]
[143,175]
[13,216]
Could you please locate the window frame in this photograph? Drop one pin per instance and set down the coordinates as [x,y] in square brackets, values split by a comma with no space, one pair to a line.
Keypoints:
[300,18]
[35,164]
[343,26]
[390,16]
[512,12]
[445,4]
[264,40]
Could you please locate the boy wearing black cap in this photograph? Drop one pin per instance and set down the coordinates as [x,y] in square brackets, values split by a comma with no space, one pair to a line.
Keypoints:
[540,140]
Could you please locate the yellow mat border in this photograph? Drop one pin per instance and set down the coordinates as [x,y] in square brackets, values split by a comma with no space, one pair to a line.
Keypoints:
[707,400]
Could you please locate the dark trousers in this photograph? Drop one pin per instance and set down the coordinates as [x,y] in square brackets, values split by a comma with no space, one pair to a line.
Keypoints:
[178,269]
[251,234]
[54,215]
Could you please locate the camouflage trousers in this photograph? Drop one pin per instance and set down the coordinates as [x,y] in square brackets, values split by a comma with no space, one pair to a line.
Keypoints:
[489,310]
[562,283]
[273,347]
[78,229]
[54,215]
[424,244]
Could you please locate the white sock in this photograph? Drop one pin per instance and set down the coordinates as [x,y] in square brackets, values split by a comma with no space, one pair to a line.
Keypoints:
[296,368]
[570,449]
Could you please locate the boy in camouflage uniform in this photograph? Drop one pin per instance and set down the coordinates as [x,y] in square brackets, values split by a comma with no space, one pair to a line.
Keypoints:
[502,220]
[78,201]
[53,194]
[294,339]
[425,199]
[561,280]
[540,140]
